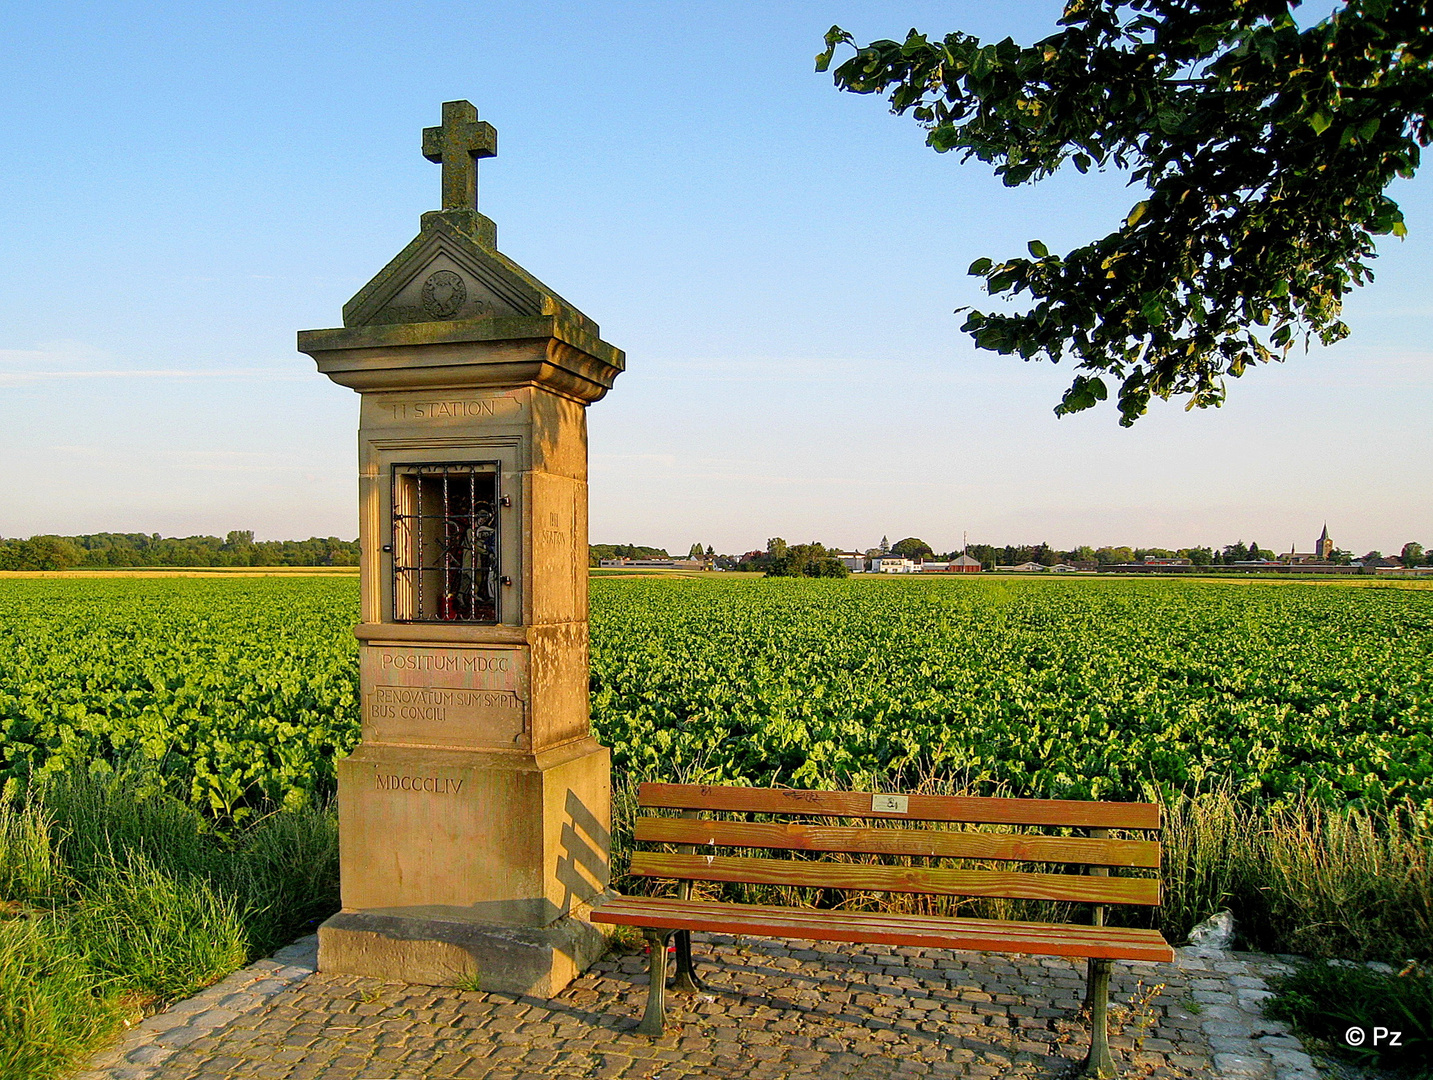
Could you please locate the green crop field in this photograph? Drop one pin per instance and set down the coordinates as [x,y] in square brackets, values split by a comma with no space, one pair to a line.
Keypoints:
[1090,688]
[246,689]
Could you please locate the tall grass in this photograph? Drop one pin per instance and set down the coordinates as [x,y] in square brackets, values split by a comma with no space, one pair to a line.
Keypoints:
[116,897]
[29,864]
[1304,879]
[52,1008]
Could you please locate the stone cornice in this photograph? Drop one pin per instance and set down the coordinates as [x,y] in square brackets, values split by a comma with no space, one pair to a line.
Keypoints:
[545,350]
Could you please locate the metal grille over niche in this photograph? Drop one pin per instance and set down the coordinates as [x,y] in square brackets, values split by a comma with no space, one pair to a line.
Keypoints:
[445,542]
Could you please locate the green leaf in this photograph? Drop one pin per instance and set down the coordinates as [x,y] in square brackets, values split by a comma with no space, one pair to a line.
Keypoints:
[943,138]
[914,43]
[835,36]
[1038,249]
[1140,209]
[1084,393]
[980,267]
[1320,121]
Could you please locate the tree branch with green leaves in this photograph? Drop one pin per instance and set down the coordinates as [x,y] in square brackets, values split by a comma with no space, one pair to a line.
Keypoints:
[1265,151]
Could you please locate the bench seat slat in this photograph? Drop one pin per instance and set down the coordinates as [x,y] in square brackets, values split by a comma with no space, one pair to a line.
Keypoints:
[1039,939]
[853,804]
[814,874]
[927,843]
[894,921]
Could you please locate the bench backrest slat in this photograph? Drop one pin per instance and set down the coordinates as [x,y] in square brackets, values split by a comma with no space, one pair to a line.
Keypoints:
[807,873]
[1074,813]
[925,843]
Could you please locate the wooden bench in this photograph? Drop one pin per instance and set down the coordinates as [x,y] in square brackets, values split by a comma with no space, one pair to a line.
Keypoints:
[1096,853]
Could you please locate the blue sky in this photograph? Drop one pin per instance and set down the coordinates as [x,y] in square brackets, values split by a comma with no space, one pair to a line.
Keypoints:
[186,185]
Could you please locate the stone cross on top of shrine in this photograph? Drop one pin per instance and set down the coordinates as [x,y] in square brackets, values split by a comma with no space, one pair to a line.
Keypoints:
[458,143]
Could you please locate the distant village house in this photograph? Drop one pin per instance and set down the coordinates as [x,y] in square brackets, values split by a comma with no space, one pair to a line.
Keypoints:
[892,564]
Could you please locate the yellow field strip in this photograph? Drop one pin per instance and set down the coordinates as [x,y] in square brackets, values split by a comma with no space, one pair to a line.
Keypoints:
[187,571]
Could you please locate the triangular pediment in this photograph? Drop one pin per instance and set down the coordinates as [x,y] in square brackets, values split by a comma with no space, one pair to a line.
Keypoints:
[448,274]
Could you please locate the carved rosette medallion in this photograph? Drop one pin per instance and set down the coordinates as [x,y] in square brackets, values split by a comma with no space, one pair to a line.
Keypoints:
[443,294]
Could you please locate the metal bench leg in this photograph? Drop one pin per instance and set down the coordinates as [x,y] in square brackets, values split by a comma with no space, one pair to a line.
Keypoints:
[686,981]
[657,983]
[1099,1063]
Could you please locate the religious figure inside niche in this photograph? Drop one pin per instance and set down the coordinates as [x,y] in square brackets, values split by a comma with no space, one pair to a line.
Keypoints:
[470,572]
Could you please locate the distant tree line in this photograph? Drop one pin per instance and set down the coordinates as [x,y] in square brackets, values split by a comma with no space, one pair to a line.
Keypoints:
[1013,555]
[239,548]
[781,559]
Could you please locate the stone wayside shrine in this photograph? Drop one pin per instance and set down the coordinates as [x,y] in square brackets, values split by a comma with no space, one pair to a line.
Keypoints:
[474,816]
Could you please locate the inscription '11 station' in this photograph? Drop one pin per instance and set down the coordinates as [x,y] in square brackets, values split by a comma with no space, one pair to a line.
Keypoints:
[452,409]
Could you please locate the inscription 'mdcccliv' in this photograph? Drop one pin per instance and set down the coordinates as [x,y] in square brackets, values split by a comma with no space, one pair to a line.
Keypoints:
[445,696]
[437,785]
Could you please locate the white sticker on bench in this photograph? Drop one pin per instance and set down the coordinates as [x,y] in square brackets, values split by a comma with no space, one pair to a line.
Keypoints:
[890,804]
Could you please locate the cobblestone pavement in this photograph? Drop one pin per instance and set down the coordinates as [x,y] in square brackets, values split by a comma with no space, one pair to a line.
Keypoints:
[771,1009]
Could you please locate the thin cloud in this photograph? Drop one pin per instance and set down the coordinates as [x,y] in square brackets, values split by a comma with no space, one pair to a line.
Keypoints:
[64,360]
[57,353]
[15,378]
[129,460]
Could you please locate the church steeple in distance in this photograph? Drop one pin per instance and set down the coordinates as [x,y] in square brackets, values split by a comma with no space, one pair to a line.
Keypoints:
[1324,548]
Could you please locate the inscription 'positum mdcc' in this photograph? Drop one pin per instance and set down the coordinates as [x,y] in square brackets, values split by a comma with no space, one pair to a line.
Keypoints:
[451,660]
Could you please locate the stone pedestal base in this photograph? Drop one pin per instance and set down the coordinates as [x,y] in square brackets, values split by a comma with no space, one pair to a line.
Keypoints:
[464,866]
[538,961]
